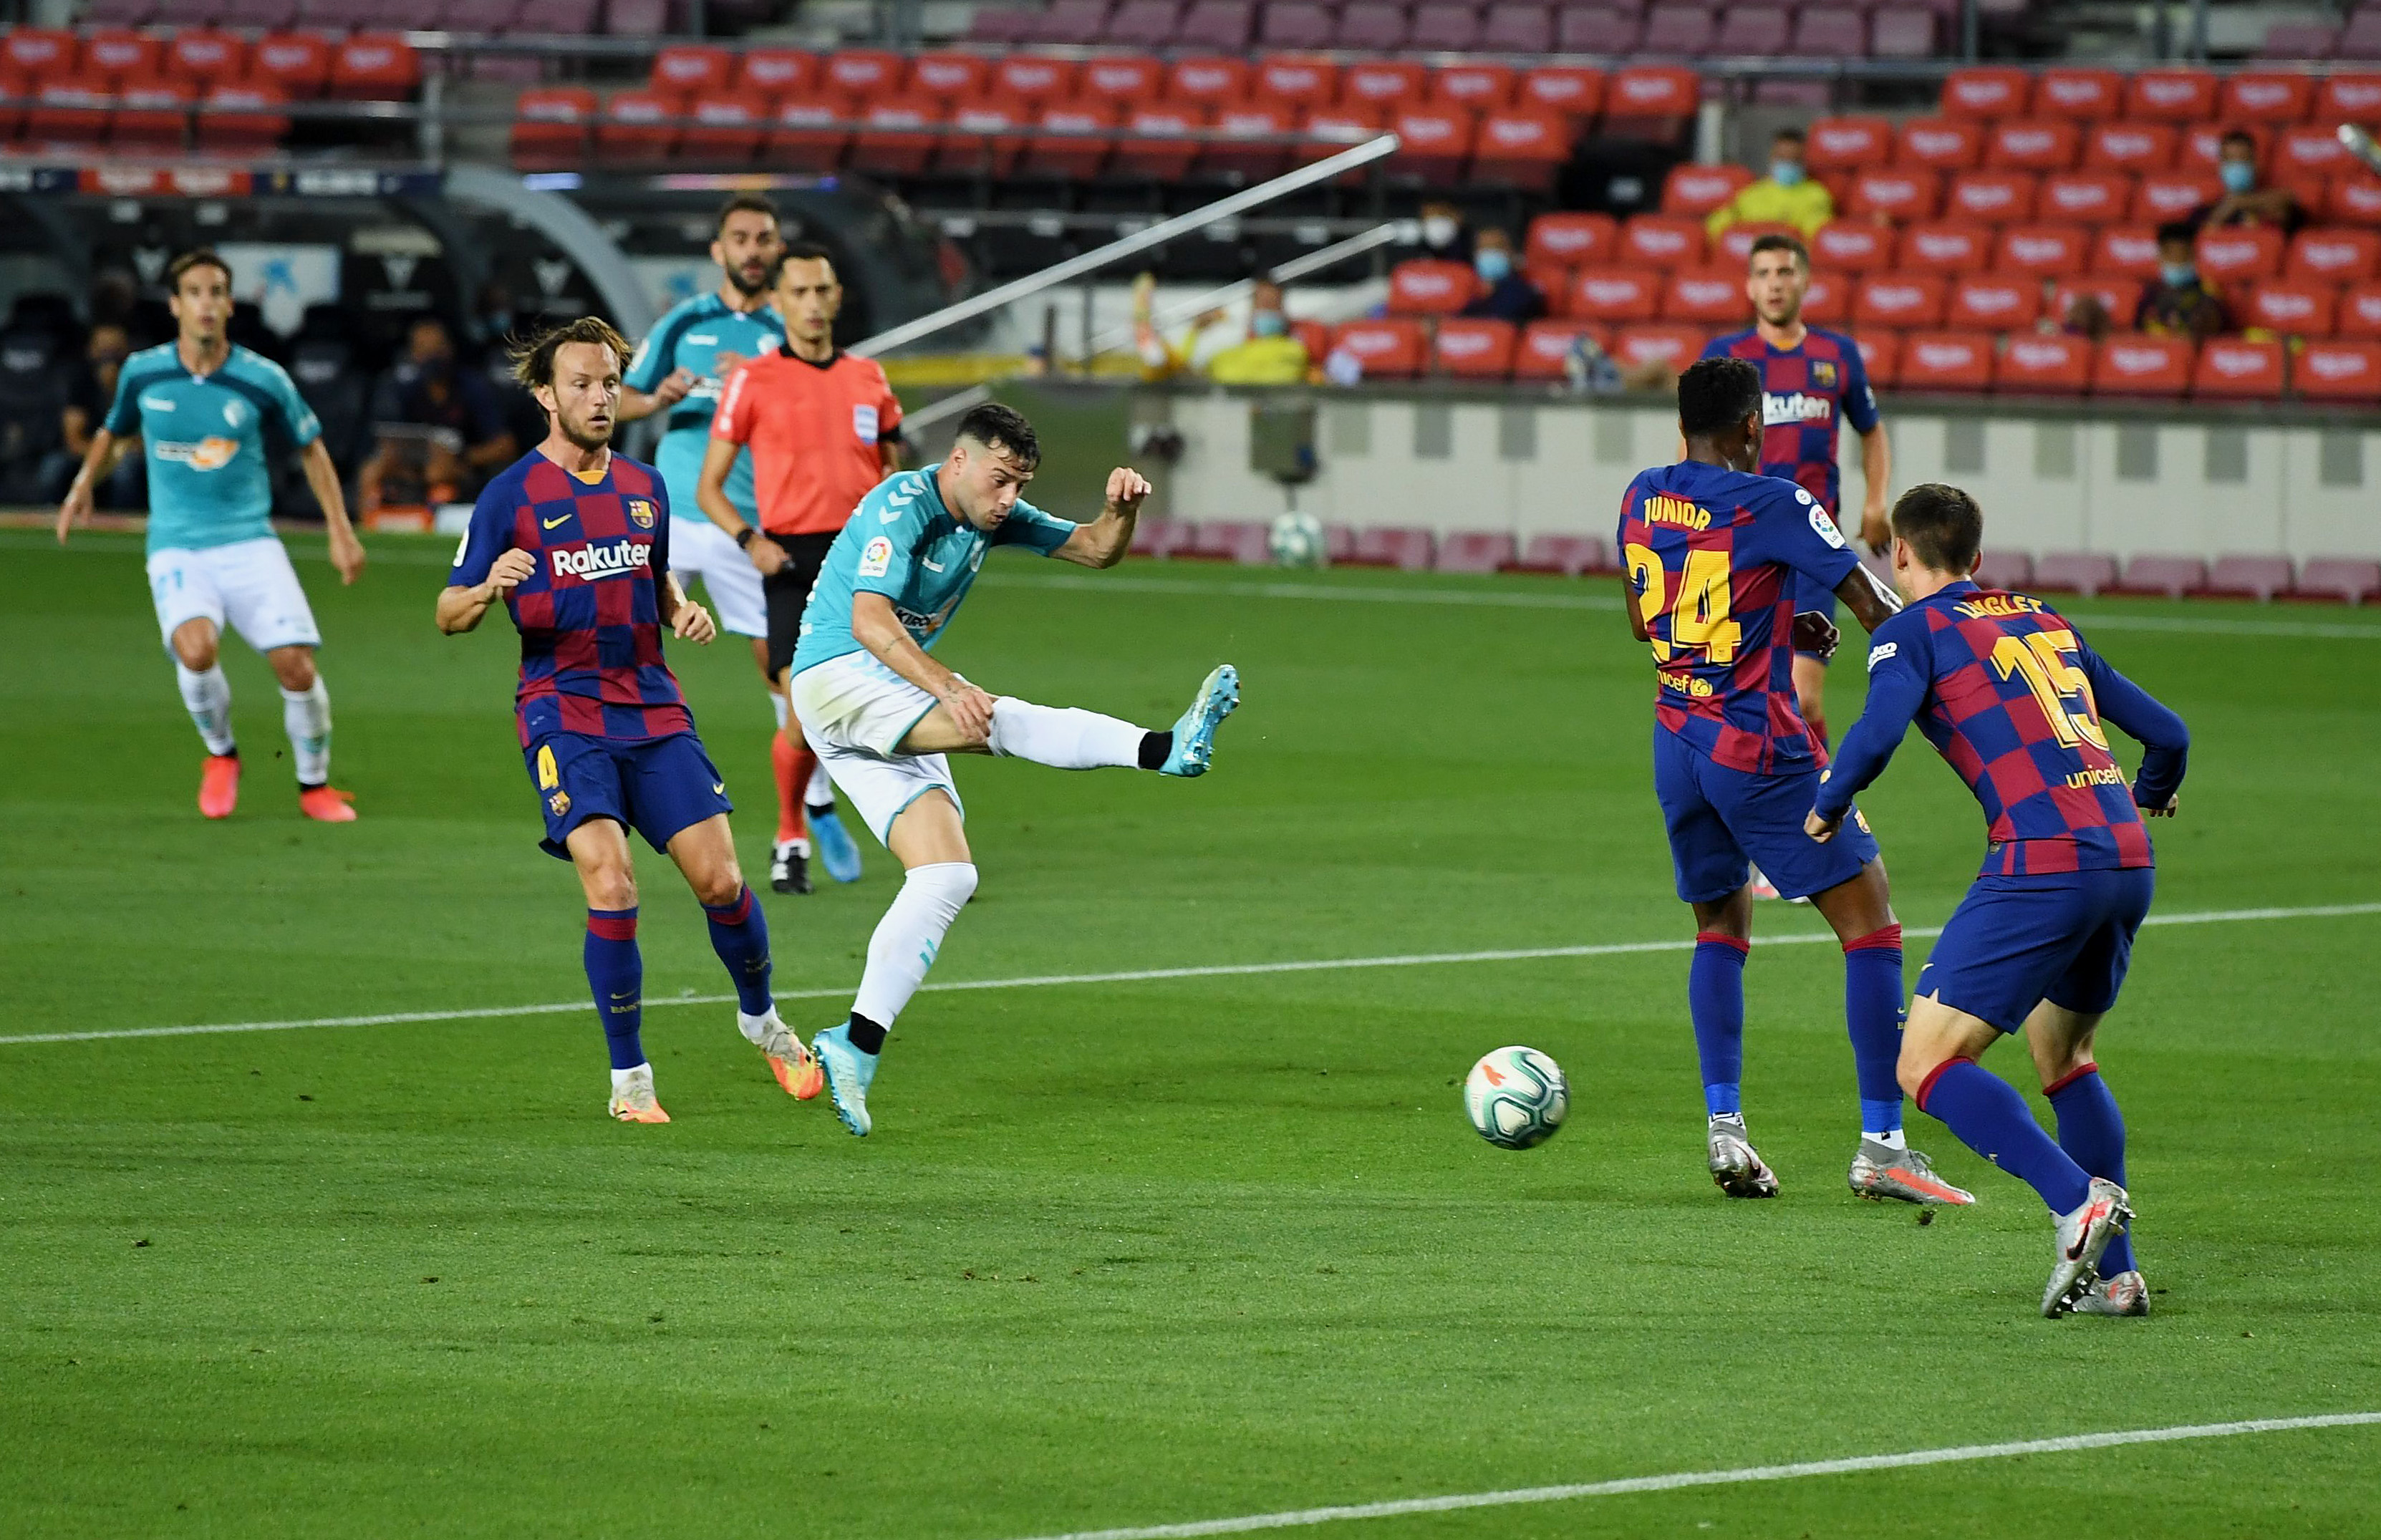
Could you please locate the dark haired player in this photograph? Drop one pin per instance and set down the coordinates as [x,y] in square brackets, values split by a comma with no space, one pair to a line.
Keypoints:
[575,540]
[1711,555]
[882,713]
[2009,693]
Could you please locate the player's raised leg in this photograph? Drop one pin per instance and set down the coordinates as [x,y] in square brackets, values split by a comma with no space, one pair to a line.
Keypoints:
[705,853]
[2092,1131]
[615,968]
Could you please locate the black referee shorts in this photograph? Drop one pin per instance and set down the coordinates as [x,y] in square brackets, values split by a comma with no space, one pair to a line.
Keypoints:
[788,593]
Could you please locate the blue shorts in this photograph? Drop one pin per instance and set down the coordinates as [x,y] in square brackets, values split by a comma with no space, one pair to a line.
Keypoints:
[656,787]
[2014,942]
[1720,819]
[1812,597]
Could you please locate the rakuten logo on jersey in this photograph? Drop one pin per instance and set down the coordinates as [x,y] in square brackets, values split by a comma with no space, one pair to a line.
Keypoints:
[621,559]
[1796,407]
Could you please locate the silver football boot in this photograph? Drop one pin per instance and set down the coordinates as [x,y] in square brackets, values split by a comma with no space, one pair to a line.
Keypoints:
[2125,1294]
[2082,1236]
[1736,1167]
[1905,1176]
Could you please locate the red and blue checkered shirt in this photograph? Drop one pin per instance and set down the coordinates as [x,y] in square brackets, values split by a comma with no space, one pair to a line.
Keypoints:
[590,616]
[1707,551]
[2010,695]
[1806,391]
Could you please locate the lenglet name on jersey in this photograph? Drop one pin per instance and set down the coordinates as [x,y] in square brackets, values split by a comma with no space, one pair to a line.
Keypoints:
[1997,603]
[590,562]
[1675,510]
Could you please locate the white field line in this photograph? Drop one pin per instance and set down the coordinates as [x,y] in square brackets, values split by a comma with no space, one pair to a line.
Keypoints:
[1908,1459]
[1138,975]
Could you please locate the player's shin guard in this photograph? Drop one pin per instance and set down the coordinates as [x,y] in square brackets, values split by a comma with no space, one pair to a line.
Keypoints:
[793,764]
[740,934]
[1873,1017]
[615,972]
[910,936]
[306,714]
[1715,1001]
[208,696]
[2092,1132]
[1992,1120]
[1063,737]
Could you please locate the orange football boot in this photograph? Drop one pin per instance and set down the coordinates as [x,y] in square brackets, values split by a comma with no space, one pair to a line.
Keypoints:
[326,804]
[219,786]
[801,1077]
[635,1104]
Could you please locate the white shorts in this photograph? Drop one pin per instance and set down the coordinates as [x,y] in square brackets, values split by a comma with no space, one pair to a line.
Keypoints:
[248,582]
[700,548]
[854,713]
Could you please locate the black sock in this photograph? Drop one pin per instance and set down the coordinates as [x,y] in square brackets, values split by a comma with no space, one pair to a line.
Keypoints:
[312,786]
[1154,747]
[865,1035]
[819,810]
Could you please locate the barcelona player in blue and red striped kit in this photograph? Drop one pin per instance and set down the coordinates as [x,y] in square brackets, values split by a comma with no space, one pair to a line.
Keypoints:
[575,540]
[2015,700]
[1712,556]
[1812,383]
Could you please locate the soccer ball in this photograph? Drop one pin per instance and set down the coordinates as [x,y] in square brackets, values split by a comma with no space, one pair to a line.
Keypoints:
[1297,540]
[1516,1097]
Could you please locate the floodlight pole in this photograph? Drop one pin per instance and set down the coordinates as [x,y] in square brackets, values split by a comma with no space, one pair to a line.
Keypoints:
[1295,268]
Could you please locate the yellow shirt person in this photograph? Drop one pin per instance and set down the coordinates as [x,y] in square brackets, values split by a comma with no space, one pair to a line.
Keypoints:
[1787,196]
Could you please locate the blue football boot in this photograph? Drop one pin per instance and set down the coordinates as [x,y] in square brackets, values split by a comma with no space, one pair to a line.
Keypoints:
[1194,734]
[837,851]
[847,1073]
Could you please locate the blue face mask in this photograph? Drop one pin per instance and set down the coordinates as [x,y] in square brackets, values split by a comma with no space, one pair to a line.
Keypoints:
[2239,175]
[1786,173]
[1268,324]
[2178,275]
[1492,265]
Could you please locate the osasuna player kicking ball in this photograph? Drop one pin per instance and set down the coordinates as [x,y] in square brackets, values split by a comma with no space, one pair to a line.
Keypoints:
[882,713]
[575,540]
[1712,556]
[2010,693]
[207,414]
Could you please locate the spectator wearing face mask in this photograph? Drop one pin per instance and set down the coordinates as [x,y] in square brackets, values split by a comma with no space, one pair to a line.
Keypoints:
[2179,302]
[1439,235]
[460,437]
[1785,196]
[1272,355]
[2244,202]
[1505,294]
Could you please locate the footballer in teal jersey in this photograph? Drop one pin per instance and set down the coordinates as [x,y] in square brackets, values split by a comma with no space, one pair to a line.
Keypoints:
[881,715]
[209,417]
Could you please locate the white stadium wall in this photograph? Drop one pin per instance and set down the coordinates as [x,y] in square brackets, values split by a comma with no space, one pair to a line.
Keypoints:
[2086,478]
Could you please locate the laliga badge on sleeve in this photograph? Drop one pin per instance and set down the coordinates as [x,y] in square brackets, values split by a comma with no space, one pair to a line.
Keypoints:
[1823,526]
[876,557]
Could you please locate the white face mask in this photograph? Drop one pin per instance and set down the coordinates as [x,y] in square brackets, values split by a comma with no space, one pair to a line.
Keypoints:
[1438,230]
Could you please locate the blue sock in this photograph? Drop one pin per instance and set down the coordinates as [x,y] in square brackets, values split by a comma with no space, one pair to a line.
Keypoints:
[1992,1120]
[1715,1000]
[616,972]
[1873,1017]
[740,934]
[2092,1132]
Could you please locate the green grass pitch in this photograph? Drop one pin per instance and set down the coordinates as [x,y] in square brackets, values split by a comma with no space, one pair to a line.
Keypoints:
[1122,1253]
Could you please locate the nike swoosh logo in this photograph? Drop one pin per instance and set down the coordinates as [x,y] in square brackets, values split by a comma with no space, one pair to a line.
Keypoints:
[553,523]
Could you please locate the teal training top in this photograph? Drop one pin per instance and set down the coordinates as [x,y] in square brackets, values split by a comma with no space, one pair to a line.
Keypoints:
[690,336]
[902,543]
[209,439]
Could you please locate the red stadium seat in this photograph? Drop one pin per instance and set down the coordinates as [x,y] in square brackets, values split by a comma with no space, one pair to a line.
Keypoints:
[1123,78]
[1037,79]
[1389,349]
[863,72]
[2135,147]
[1294,81]
[2117,296]
[2163,576]
[2351,98]
[636,126]
[1993,197]
[1901,196]
[2005,570]
[203,55]
[1385,83]
[1565,555]
[2293,307]
[2359,311]
[2236,368]
[2043,251]
[994,135]
[1475,551]
[2171,96]
[1335,128]
[2085,572]
[374,67]
[241,115]
[1847,143]
[1545,347]
[1991,303]
[1939,144]
[2276,97]
[1672,347]
[1990,92]
[2127,250]
[802,135]
[1615,294]
[1157,142]
[2347,579]
[2170,195]
[66,114]
[2142,366]
[776,73]
[1852,246]
[151,114]
[2231,252]
[2309,150]
[1068,140]
[1697,190]
[1907,300]
[1947,361]
[2053,364]
[686,70]
[1570,240]
[1434,142]
[2086,196]
[1663,241]
[2338,372]
[2245,577]
[1881,352]
[2334,253]
[1707,296]
[1474,349]
[1651,93]
[2355,200]
[951,75]
[1423,286]
[1520,149]
[551,125]
[1406,548]
[728,127]
[1735,243]
[1948,247]
[296,64]
[895,137]
[1481,87]
[112,56]
[1574,90]
[2080,95]
[40,54]
[1250,121]
[1206,79]
[2034,145]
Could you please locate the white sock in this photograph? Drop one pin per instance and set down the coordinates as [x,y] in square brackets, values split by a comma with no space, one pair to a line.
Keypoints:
[821,791]
[1063,738]
[621,1078]
[307,716]
[909,935]
[1894,1141]
[208,697]
[777,704]
[756,1028]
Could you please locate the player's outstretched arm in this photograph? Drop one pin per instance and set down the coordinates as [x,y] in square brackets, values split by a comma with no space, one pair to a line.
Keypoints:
[460,606]
[1104,540]
[323,477]
[1865,594]
[1897,688]
[636,403]
[2164,736]
[106,448]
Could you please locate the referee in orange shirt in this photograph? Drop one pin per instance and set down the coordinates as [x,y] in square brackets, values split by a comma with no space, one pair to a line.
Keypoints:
[824,428]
